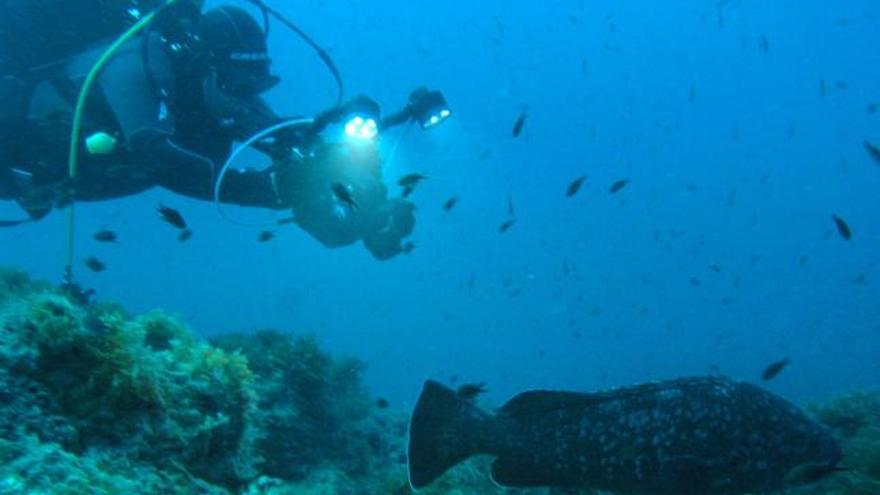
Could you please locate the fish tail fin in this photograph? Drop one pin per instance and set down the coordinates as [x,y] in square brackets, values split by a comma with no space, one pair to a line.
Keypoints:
[444,430]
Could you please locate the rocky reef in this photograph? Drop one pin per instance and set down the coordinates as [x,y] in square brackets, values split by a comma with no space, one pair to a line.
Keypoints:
[95,400]
[855,419]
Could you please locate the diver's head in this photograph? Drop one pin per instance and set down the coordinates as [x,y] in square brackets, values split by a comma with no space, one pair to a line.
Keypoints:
[236,46]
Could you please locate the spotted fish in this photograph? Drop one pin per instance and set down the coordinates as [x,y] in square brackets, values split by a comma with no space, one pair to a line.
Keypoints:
[691,436]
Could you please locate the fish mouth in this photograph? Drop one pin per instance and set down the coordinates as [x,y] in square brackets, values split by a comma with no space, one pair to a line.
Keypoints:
[824,464]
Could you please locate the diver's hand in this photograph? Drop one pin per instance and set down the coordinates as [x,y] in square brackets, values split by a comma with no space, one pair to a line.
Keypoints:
[386,243]
[280,144]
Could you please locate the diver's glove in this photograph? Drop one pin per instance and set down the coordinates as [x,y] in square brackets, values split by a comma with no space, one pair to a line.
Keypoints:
[399,221]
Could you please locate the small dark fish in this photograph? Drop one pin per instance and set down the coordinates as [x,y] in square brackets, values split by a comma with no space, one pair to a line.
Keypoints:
[184,235]
[95,265]
[519,124]
[611,48]
[504,227]
[812,472]
[618,185]
[873,151]
[469,391]
[715,268]
[411,180]
[407,191]
[266,236]
[172,216]
[342,194]
[408,247]
[105,236]
[575,186]
[382,403]
[764,44]
[510,209]
[731,197]
[841,85]
[842,227]
[872,107]
[450,203]
[774,369]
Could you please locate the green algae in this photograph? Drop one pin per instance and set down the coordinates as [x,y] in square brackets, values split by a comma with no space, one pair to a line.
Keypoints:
[108,377]
[87,385]
[314,410]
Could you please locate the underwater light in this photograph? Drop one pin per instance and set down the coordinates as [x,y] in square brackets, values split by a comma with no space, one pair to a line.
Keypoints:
[361,127]
[362,119]
[428,108]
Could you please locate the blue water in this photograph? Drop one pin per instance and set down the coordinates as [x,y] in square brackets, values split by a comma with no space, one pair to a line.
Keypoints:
[582,293]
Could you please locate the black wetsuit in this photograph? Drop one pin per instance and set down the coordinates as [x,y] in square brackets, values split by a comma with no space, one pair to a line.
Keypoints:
[173,129]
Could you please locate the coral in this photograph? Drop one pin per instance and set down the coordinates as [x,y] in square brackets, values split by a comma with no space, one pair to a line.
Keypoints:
[12,282]
[89,382]
[313,408]
[27,407]
[30,466]
[93,379]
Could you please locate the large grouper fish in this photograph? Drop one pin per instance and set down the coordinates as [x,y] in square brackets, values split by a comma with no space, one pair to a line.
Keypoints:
[690,436]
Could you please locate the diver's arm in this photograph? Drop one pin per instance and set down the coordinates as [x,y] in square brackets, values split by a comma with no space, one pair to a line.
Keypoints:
[401,117]
[188,173]
[243,117]
[427,107]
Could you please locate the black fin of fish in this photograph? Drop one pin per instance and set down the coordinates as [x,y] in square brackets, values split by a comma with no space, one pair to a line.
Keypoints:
[441,433]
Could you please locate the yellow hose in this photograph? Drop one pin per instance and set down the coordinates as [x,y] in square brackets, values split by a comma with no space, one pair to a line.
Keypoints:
[76,129]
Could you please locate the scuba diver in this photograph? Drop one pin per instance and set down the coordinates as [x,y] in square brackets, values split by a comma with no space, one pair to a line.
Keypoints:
[167,110]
